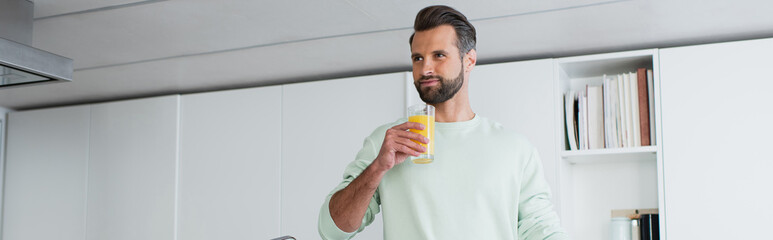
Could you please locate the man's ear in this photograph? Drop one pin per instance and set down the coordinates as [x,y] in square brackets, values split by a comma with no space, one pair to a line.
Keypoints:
[470,59]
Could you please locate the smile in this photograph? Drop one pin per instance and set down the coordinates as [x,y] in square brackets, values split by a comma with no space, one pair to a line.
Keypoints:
[430,82]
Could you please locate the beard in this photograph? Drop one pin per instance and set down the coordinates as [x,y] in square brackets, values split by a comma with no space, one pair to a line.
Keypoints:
[445,89]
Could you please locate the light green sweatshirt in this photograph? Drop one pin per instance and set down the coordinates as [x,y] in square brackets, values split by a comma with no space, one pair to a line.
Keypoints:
[485,183]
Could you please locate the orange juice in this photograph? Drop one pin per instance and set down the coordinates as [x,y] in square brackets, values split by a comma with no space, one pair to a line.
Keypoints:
[429,132]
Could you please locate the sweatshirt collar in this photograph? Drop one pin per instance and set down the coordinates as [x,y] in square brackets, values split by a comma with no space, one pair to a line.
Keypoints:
[457,125]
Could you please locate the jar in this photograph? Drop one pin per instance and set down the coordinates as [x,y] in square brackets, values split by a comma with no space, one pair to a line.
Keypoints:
[620,228]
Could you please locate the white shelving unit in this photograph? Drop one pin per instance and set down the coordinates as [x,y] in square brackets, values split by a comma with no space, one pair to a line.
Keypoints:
[594,182]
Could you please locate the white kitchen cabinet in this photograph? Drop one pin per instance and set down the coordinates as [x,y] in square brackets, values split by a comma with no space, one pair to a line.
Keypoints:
[45,174]
[716,138]
[230,157]
[519,95]
[323,127]
[132,169]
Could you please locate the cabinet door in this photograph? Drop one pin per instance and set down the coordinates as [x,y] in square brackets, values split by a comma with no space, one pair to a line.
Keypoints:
[229,164]
[133,159]
[323,126]
[45,175]
[716,117]
[520,96]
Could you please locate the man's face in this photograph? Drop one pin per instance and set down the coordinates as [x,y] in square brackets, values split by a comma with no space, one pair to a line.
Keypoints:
[437,67]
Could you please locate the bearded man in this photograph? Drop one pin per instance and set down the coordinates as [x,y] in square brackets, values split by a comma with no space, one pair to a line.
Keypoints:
[486,182]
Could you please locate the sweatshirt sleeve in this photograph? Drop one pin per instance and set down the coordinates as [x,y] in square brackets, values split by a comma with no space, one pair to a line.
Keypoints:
[536,217]
[326,226]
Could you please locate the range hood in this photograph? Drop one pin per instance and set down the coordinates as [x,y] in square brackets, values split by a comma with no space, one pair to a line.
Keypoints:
[20,64]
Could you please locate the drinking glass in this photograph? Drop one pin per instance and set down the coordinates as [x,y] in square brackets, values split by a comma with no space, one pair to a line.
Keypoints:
[424,114]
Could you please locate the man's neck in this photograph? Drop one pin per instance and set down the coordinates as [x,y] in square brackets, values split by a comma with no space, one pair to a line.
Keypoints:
[456,109]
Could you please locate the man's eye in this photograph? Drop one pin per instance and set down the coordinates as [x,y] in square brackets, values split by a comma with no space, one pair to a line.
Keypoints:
[440,55]
[416,59]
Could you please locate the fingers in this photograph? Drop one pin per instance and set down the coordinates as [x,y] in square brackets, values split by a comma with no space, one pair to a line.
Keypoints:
[409,147]
[403,141]
[400,143]
[406,134]
[409,125]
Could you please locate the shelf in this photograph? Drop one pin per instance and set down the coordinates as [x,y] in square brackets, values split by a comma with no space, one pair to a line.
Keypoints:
[609,155]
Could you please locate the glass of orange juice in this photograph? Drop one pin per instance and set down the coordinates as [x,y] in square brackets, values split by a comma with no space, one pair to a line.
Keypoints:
[424,114]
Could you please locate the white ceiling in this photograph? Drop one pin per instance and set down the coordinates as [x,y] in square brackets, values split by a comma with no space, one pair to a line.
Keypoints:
[128,48]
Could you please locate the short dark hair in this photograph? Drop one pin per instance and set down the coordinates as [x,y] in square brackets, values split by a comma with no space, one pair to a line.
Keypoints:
[434,16]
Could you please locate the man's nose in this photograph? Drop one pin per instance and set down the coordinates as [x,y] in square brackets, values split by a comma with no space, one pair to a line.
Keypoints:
[428,68]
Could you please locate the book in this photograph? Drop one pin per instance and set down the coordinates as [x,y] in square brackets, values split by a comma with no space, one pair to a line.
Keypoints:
[611,118]
[571,134]
[650,86]
[636,132]
[605,102]
[585,118]
[595,117]
[614,113]
[582,122]
[644,109]
[617,83]
[626,114]
[576,118]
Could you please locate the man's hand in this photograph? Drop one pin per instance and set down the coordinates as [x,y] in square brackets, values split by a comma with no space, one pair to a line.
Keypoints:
[348,206]
[398,145]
